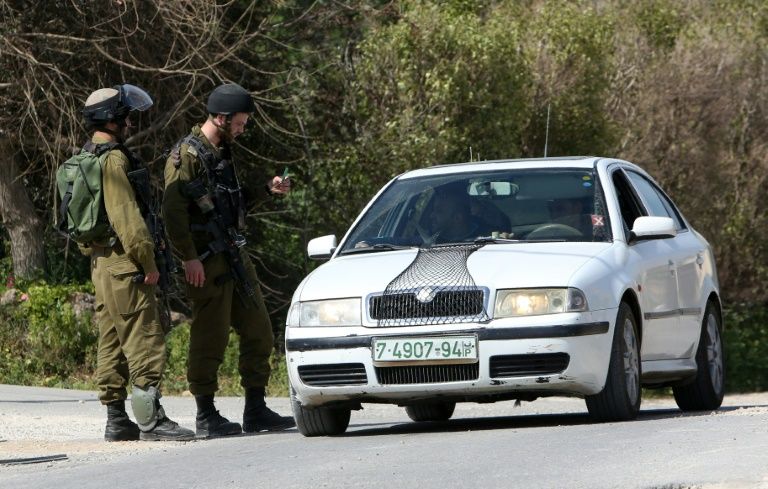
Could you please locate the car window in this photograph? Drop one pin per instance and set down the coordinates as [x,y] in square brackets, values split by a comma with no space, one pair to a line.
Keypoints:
[655,200]
[629,203]
[678,218]
[517,204]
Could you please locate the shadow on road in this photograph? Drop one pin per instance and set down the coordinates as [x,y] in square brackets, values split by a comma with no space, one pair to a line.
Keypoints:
[515,422]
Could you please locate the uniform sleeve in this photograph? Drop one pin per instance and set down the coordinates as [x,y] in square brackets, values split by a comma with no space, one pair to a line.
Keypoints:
[123,213]
[180,169]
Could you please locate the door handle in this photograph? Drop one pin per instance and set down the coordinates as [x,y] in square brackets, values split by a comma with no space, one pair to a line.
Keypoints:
[671,265]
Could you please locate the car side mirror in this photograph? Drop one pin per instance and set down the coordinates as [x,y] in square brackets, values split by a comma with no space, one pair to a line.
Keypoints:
[652,227]
[321,248]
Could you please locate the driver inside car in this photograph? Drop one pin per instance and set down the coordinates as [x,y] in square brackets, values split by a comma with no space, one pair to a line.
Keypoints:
[450,219]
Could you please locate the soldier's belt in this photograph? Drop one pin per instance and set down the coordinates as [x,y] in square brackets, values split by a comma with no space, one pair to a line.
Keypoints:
[105,250]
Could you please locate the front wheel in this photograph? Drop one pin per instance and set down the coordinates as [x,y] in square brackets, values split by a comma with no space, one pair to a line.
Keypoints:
[620,398]
[706,392]
[430,411]
[320,421]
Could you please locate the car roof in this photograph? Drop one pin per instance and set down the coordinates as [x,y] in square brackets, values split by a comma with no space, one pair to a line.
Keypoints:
[586,162]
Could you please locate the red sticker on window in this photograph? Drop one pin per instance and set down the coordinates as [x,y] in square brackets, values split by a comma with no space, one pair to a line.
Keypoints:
[598,220]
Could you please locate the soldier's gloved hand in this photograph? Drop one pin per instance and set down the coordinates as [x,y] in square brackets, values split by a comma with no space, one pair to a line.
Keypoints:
[151,278]
[194,272]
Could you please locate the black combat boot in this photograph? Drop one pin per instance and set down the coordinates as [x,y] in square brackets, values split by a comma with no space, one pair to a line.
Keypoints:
[210,423]
[166,429]
[258,417]
[119,425]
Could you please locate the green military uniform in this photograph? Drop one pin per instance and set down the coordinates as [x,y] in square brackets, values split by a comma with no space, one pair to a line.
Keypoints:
[131,344]
[216,305]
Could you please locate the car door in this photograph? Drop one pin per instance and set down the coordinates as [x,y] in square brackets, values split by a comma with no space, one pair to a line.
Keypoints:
[653,268]
[687,252]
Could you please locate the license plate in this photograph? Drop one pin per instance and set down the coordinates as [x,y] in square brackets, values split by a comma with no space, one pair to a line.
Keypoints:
[458,349]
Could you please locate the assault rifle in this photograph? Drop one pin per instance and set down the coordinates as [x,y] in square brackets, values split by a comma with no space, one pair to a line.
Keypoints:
[163,257]
[226,240]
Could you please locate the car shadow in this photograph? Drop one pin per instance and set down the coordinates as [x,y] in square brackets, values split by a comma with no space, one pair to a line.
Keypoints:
[468,424]
[516,422]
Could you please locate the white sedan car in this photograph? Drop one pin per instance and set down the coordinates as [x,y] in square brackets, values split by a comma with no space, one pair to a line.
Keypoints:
[510,279]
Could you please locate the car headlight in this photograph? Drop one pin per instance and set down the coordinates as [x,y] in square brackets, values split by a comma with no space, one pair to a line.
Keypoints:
[335,312]
[532,302]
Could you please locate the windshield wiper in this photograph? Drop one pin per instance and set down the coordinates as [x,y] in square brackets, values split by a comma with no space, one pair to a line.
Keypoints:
[375,248]
[491,240]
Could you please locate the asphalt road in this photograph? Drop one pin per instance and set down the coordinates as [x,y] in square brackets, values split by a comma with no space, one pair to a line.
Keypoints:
[548,443]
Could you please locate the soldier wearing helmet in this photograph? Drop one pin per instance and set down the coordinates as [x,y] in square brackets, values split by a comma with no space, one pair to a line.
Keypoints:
[131,348]
[205,214]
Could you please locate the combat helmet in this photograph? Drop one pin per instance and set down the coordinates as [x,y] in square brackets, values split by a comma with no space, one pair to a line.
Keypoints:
[229,99]
[114,104]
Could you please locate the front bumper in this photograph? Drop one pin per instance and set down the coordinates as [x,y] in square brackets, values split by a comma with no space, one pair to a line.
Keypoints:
[557,354]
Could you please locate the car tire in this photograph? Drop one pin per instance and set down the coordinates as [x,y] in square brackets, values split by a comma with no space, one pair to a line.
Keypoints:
[430,411]
[706,391]
[320,421]
[620,398]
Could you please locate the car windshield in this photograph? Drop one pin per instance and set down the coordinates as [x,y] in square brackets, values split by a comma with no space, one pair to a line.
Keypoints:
[502,206]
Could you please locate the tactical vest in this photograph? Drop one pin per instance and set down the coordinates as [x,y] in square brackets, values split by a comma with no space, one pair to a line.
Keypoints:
[221,181]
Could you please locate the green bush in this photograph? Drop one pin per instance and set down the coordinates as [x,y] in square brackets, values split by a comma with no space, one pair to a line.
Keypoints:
[61,341]
[746,330]
[15,362]
[44,341]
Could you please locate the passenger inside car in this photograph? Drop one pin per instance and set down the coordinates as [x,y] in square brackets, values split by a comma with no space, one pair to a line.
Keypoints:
[572,213]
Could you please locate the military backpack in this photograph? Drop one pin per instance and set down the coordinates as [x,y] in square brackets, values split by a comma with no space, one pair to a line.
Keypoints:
[82,215]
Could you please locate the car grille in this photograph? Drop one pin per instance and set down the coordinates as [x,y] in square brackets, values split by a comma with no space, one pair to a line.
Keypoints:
[427,374]
[526,365]
[447,303]
[333,374]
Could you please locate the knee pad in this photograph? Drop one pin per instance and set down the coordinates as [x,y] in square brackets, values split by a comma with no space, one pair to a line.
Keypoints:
[145,407]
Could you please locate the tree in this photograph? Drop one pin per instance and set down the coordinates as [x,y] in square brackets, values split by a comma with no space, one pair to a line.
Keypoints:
[49,65]
[19,216]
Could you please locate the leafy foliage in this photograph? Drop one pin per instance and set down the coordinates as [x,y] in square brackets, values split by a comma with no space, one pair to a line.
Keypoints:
[44,339]
[45,342]
[746,328]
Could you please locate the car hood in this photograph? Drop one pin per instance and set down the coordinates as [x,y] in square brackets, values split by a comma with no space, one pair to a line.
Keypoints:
[494,266]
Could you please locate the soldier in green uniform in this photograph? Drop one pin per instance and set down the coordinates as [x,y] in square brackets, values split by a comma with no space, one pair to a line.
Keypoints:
[131,348]
[204,212]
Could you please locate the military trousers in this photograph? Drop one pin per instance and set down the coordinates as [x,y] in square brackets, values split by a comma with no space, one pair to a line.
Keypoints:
[217,309]
[131,349]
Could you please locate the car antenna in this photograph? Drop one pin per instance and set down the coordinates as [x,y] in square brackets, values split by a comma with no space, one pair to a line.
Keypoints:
[546,136]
